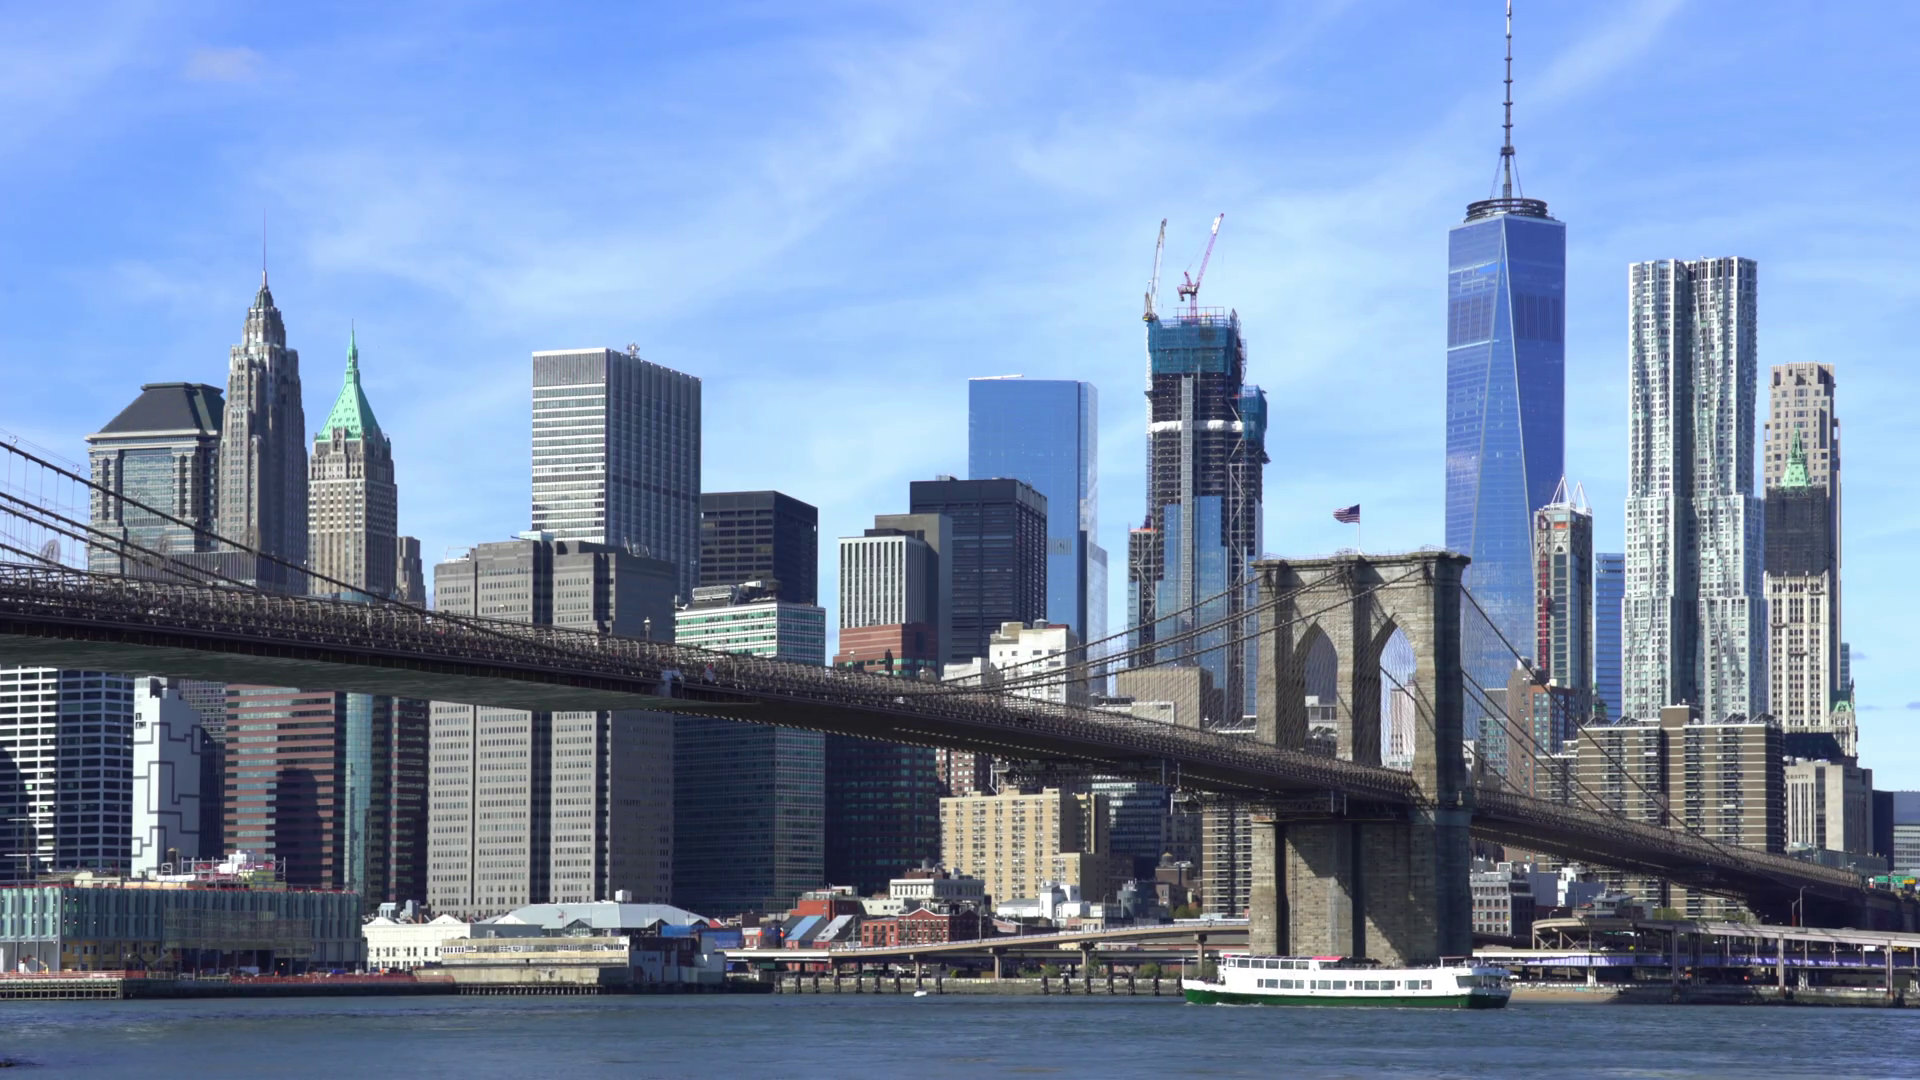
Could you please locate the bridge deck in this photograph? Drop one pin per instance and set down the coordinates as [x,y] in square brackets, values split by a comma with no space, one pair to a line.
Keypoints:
[67,619]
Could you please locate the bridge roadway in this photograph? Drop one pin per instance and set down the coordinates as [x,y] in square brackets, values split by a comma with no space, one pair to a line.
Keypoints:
[68,619]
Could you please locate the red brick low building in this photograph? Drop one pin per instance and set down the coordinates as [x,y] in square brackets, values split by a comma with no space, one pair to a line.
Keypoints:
[922,927]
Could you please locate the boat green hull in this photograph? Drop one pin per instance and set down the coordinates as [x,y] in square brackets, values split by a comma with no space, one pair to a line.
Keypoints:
[1434,1001]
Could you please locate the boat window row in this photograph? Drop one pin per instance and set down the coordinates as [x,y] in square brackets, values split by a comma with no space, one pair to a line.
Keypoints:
[1483,981]
[1341,984]
[1270,965]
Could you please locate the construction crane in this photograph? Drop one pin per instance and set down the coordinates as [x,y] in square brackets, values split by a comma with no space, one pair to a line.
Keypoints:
[1190,288]
[1153,283]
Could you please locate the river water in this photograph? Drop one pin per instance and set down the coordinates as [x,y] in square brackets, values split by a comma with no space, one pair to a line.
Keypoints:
[933,1037]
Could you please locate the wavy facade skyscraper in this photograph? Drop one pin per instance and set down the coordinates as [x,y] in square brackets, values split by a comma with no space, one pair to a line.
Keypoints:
[1694,617]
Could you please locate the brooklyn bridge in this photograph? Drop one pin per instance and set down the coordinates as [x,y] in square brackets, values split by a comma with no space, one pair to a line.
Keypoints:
[1350,857]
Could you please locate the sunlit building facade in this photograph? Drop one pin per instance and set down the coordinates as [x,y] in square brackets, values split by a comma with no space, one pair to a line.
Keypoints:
[1505,409]
[1046,432]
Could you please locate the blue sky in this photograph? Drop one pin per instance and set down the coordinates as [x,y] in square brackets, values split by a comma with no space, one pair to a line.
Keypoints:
[836,213]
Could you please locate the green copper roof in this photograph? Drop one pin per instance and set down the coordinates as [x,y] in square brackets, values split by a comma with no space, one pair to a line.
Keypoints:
[1795,477]
[351,411]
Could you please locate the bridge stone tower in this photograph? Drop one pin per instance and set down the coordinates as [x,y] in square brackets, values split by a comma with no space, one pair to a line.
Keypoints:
[1333,876]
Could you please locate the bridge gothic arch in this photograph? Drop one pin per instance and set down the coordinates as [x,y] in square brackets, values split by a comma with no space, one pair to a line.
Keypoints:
[1329,876]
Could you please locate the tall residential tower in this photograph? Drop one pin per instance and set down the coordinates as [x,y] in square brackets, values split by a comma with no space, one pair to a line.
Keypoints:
[1694,619]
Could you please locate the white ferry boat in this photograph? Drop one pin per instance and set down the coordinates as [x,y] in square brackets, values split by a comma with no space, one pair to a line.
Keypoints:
[1333,980]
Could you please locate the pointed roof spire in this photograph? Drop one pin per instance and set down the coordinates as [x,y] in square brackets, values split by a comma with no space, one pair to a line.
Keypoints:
[352,413]
[1795,478]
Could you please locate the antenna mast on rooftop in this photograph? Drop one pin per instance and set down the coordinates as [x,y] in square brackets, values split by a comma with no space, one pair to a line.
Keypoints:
[1506,143]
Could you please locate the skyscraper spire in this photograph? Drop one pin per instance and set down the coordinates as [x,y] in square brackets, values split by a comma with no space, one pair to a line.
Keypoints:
[351,411]
[1506,196]
[1506,145]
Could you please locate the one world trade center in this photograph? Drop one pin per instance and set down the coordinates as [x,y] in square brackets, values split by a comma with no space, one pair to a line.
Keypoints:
[1506,403]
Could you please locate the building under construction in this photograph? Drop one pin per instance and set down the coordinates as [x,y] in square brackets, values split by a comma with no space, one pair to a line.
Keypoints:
[1188,566]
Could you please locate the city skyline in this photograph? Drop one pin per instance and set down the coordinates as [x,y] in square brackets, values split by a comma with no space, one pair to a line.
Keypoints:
[182,302]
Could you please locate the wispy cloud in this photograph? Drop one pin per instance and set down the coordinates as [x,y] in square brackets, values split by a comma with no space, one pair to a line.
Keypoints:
[232,64]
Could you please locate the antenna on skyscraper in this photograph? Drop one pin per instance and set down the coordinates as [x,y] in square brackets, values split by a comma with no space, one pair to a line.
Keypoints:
[1506,144]
[263,245]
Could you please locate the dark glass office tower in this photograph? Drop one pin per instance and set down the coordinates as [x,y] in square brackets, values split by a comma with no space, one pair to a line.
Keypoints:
[1609,590]
[1046,432]
[161,451]
[1189,565]
[1506,400]
[999,556]
[760,536]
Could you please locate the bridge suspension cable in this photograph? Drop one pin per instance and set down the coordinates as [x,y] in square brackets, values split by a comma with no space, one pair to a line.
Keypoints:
[1598,801]
[1240,617]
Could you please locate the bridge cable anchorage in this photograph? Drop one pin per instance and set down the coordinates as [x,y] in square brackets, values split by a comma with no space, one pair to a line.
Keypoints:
[1752,857]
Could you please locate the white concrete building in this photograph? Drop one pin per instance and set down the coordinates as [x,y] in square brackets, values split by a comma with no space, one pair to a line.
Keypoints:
[169,748]
[934,891]
[1040,659]
[408,945]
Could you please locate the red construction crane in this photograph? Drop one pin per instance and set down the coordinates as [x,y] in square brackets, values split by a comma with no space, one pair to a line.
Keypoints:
[1190,288]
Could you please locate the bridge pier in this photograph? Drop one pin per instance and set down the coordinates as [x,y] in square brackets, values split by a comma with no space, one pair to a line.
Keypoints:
[1332,874]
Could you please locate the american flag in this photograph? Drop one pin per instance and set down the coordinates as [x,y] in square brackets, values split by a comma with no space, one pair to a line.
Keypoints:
[1348,515]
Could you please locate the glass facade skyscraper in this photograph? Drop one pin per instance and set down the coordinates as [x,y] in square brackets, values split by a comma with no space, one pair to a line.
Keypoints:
[1046,433]
[1506,406]
[1609,589]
